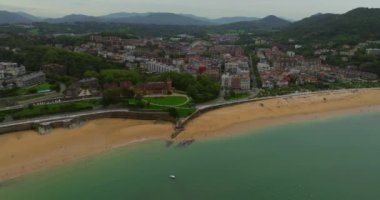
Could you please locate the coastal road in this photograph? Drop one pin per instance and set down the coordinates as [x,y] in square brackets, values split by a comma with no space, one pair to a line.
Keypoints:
[49,101]
[61,117]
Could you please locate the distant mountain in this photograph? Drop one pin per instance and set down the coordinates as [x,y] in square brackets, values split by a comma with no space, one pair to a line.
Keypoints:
[71,19]
[148,18]
[266,22]
[29,16]
[273,21]
[230,20]
[13,18]
[198,18]
[134,18]
[161,19]
[360,22]
[122,15]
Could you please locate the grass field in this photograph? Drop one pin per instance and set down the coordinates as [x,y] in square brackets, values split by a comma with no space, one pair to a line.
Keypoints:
[237,96]
[43,86]
[167,100]
[180,103]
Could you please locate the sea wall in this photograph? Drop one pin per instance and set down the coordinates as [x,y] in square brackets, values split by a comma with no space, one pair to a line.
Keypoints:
[43,125]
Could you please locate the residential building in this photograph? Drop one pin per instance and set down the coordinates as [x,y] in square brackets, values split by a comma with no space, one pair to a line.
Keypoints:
[373,52]
[235,82]
[8,69]
[157,67]
[245,83]
[231,67]
[155,87]
[263,66]
[30,79]
[226,81]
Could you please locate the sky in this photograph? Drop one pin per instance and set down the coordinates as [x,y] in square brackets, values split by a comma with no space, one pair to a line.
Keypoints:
[291,9]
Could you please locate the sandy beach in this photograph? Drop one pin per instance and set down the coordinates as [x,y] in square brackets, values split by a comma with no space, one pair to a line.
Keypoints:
[248,116]
[26,152]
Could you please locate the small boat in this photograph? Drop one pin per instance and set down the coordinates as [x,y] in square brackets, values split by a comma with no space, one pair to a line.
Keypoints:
[172,177]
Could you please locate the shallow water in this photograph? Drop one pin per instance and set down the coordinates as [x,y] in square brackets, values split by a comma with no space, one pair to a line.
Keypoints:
[327,159]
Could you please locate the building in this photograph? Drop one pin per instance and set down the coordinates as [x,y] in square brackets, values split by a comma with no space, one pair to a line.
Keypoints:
[231,67]
[235,82]
[155,88]
[291,53]
[157,67]
[263,66]
[11,69]
[213,73]
[30,79]
[226,81]
[373,52]
[245,84]
[84,87]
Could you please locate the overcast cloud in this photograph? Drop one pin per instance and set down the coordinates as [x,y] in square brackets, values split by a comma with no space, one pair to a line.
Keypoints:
[294,9]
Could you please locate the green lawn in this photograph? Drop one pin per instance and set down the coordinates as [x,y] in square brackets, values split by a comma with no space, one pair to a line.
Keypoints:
[34,31]
[237,96]
[167,100]
[180,103]
[43,86]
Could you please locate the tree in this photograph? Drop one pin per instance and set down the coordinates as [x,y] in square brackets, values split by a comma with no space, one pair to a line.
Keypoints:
[139,100]
[111,96]
[173,112]
[91,74]
[111,75]
[128,93]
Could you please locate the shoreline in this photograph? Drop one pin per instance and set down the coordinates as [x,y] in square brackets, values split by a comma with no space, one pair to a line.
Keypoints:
[281,110]
[27,152]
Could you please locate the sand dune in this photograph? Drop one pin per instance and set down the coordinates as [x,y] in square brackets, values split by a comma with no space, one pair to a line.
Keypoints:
[26,152]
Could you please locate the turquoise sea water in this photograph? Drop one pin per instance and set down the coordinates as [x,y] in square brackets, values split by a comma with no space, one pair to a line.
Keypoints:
[335,159]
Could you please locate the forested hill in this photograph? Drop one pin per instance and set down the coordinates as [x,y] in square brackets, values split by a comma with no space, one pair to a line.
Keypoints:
[10,18]
[356,24]
[266,22]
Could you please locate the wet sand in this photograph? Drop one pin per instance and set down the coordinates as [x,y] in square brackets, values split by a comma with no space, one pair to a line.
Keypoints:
[25,152]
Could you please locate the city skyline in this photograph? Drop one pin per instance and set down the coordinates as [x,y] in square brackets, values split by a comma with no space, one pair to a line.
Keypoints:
[291,9]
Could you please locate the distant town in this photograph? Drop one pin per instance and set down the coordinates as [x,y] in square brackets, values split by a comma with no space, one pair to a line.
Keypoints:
[56,72]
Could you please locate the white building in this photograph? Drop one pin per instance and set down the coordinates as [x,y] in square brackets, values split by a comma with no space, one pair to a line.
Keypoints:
[268,84]
[11,69]
[245,84]
[2,74]
[156,67]
[374,52]
[291,53]
[231,67]
[30,79]
[297,46]
[262,67]
[226,81]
